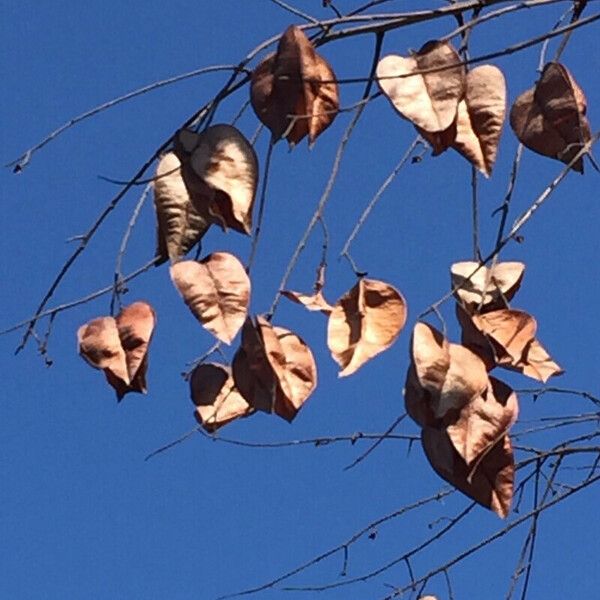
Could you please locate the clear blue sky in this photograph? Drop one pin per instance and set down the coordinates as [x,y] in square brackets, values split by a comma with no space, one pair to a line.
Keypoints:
[81,514]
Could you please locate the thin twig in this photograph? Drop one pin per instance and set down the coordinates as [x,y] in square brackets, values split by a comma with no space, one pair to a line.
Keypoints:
[216,347]
[320,280]
[558,425]
[172,444]
[578,8]
[331,5]
[534,527]
[367,6]
[502,532]
[464,29]
[345,253]
[76,253]
[407,555]
[565,448]
[22,161]
[396,23]
[537,392]
[448,585]
[465,32]
[504,208]
[387,432]
[261,206]
[118,282]
[528,539]
[475,214]
[520,222]
[517,226]
[67,305]
[352,540]
[316,442]
[295,11]
[384,23]
[332,178]
[546,43]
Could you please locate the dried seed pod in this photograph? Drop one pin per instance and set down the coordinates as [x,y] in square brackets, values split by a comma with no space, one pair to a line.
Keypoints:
[550,118]
[429,100]
[274,369]
[364,322]
[216,290]
[180,225]
[294,91]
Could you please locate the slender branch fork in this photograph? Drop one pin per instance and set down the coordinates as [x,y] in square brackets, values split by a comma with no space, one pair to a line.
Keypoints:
[541,424]
[541,502]
[517,226]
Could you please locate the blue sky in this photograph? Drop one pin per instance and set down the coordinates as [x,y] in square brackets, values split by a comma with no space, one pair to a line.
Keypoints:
[81,514]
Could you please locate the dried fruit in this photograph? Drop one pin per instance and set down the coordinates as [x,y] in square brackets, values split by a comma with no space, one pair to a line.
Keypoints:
[550,118]
[364,322]
[294,91]
[119,346]
[491,484]
[274,369]
[483,421]
[217,400]
[481,289]
[480,117]
[225,164]
[180,225]
[418,400]
[216,290]
[451,374]
[100,346]
[428,100]
[135,324]
[506,338]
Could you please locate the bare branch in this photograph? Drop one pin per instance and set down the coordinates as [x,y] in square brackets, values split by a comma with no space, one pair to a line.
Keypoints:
[341,547]
[261,206]
[84,300]
[119,281]
[316,442]
[518,225]
[295,11]
[406,556]
[345,253]
[22,161]
[386,434]
[538,392]
[317,215]
[492,538]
